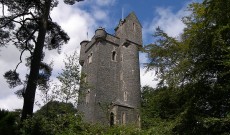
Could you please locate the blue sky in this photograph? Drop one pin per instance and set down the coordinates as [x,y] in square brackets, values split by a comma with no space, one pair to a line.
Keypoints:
[86,17]
[146,11]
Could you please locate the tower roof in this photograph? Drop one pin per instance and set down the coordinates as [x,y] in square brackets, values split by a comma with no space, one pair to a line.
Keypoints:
[132,16]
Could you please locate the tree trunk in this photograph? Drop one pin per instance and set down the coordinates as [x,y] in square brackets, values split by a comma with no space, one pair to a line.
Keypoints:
[29,95]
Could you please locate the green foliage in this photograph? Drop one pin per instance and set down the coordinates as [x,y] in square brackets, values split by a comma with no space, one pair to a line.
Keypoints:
[192,109]
[9,122]
[193,94]
[59,125]
[58,118]
[69,79]
[56,108]
[202,51]
[159,109]
[54,118]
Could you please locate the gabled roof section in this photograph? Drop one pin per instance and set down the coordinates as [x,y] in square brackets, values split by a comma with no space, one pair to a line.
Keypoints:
[119,24]
[132,16]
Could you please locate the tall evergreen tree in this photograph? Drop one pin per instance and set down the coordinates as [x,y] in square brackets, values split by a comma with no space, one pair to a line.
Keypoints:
[198,64]
[30,28]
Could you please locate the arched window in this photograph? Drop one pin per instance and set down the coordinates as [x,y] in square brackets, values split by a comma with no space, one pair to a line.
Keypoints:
[123,118]
[90,57]
[111,119]
[121,76]
[85,79]
[121,57]
[134,27]
[125,96]
[114,55]
[139,120]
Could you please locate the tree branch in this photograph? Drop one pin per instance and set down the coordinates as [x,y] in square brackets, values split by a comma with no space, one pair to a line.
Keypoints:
[27,48]
[34,17]
[13,19]
[31,36]
[20,59]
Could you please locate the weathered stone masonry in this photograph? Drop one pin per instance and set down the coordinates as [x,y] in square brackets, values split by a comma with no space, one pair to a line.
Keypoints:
[111,65]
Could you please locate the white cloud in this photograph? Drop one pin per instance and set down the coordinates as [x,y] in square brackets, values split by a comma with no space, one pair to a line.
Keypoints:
[11,102]
[100,14]
[167,20]
[148,78]
[105,2]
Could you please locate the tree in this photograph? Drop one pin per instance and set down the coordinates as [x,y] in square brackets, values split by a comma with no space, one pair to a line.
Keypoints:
[62,119]
[197,64]
[9,122]
[67,90]
[30,28]
[160,109]
[202,51]
[54,118]
[54,108]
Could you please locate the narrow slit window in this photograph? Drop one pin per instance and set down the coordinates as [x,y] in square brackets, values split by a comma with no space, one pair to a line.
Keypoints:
[90,57]
[139,120]
[123,118]
[134,27]
[125,96]
[111,119]
[87,97]
[121,76]
[85,79]
[114,55]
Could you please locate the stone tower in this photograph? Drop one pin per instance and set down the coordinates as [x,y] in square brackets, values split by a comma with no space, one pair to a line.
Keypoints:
[111,65]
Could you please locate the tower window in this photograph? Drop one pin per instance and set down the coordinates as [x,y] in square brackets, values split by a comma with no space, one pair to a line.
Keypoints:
[134,27]
[90,57]
[123,118]
[125,96]
[85,79]
[121,76]
[139,120]
[114,55]
[87,96]
[111,119]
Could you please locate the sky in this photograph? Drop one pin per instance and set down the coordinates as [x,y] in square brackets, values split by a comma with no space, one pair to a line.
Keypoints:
[85,17]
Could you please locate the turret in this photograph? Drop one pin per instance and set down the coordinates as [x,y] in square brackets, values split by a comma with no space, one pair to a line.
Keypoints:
[82,52]
[100,34]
